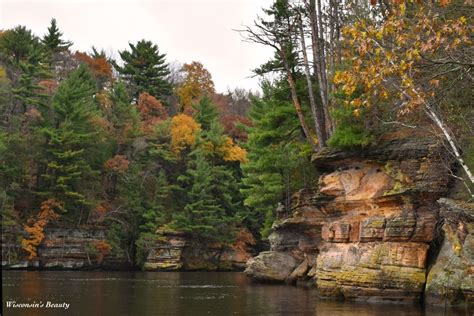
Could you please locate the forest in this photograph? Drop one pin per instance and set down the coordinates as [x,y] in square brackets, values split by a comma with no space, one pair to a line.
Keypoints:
[138,147]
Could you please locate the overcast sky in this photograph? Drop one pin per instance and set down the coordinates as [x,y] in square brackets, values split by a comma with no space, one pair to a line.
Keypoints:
[186,30]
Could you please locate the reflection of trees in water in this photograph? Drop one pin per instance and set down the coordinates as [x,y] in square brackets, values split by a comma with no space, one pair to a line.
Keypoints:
[182,293]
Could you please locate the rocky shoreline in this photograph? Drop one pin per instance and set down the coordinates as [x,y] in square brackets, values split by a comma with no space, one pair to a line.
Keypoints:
[376,229]
[76,249]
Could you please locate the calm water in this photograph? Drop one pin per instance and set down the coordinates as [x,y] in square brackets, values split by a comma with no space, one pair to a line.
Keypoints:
[175,293]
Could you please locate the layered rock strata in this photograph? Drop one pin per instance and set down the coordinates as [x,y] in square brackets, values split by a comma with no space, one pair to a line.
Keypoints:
[178,251]
[451,277]
[65,249]
[366,231]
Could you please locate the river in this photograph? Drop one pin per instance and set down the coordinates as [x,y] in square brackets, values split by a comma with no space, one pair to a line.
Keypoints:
[107,293]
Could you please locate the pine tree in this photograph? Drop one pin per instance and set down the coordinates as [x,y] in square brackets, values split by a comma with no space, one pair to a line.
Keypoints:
[124,116]
[52,40]
[154,215]
[70,136]
[206,112]
[205,214]
[16,44]
[145,70]
[33,69]
[276,165]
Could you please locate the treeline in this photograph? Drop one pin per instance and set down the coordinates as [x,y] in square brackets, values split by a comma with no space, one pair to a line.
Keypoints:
[137,146]
[129,145]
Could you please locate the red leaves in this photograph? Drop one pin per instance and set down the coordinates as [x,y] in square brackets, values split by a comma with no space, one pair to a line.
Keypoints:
[231,122]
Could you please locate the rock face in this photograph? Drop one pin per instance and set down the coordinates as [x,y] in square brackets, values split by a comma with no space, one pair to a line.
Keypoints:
[65,249]
[177,251]
[365,232]
[451,278]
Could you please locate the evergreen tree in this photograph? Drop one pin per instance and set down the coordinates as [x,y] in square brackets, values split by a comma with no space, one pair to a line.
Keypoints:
[205,214]
[206,112]
[16,44]
[277,163]
[70,137]
[52,40]
[33,69]
[145,70]
[124,116]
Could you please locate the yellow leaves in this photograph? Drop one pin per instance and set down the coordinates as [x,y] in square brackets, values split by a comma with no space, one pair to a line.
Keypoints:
[184,130]
[412,54]
[197,81]
[403,8]
[232,152]
[347,80]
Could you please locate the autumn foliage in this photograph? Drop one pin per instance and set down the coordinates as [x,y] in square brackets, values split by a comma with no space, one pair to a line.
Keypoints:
[102,248]
[99,65]
[184,130]
[118,164]
[36,228]
[231,151]
[393,59]
[151,110]
[197,81]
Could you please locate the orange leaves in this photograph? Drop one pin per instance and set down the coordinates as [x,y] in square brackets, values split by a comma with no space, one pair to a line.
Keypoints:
[184,130]
[151,110]
[102,248]
[36,228]
[118,164]
[99,66]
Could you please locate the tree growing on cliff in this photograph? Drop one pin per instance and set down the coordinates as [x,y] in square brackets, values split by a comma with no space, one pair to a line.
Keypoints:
[415,60]
[276,165]
[53,41]
[205,214]
[145,70]
[70,135]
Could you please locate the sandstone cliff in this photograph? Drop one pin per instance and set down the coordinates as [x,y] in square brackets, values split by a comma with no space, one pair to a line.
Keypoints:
[177,251]
[365,232]
[64,249]
[73,249]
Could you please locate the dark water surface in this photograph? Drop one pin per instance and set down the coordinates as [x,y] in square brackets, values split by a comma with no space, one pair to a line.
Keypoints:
[176,293]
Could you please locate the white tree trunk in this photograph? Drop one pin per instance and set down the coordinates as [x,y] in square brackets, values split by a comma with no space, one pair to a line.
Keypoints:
[450,140]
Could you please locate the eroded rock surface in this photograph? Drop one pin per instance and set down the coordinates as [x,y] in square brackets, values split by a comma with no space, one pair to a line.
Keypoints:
[365,232]
[177,251]
[68,249]
[451,278]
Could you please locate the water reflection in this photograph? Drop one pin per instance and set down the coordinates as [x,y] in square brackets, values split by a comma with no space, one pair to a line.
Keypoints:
[177,293]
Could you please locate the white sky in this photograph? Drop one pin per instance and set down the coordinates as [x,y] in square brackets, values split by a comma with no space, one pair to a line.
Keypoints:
[186,30]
